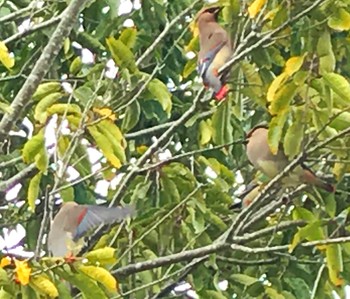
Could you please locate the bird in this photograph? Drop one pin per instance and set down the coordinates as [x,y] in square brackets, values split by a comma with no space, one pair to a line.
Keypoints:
[215,51]
[247,196]
[74,221]
[260,155]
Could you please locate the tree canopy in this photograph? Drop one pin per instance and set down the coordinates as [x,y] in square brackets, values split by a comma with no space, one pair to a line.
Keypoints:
[133,124]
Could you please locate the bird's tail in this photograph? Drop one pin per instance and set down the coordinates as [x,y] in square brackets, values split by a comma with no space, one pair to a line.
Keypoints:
[311,178]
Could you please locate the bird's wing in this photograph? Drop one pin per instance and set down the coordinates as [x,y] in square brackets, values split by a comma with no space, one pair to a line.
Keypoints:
[97,215]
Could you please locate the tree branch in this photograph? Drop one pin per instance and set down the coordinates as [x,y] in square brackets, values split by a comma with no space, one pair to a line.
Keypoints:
[42,66]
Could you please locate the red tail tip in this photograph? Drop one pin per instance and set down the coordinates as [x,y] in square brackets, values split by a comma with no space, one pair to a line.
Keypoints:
[330,188]
[221,94]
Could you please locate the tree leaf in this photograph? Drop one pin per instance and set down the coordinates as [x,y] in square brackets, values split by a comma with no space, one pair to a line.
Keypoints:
[221,124]
[104,256]
[283,98]
[44,286]
[62,109]
[33,190]
[293,64]
[128,37]
[40,113]
[276,84]
[33,146]
[76,66]
[338,84]
[205,131]
[121,54]
[160,91]
[22,271]
[83,94]
[335,264]
[255,8]
[339,20]
[325,53]
[42,160]
[5,57]
[132,116]
[189,68]
[100,275]
[105,146]
[45,89]
[275,131]
[244,279]
[294,135]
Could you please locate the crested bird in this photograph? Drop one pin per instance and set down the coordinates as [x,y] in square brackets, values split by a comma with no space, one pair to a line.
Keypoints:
[262,158]
[215,51]
[74,221]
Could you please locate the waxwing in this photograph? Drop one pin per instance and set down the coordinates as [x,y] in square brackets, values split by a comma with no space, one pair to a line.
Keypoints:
[215,50]
[260,155]
[73,221]
[247,196]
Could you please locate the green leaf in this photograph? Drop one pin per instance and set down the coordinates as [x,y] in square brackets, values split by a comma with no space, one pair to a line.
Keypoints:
[46,89]
[340,20]
[42,160]
[189,68]
[63,109]
[160,91]
[294,135]
[283,98]
[338,84]
[325,53]
[335,264]
[33,146]
[40,113]
[221,123]
[33,190]
[299,286]
[83,94]
[275,131]
[4,279]
[311,232]
[67,194]
[128,37]
[244,279]
[76,66]
[132,116]
[121,54]
[100,275]
[205,131]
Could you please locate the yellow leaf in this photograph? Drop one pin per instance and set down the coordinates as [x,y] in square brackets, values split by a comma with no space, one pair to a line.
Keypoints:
[255,7]
[205,131]
[105,146]
[5,261]
[100,275]
[275,85]
[275,130]
[22,271]
[105,113]
[43,285]
[141,149]
[64,109]
[103,256]
[5,57]
[42,160]
[32,147]
[33,190]
[40,113]
[293,64]
[335,263]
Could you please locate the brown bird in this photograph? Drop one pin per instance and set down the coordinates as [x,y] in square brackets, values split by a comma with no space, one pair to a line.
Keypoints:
[260,155]
[73,221]
[215,50]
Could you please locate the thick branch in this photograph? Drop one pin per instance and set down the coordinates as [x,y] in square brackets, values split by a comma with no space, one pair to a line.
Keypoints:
[42,66]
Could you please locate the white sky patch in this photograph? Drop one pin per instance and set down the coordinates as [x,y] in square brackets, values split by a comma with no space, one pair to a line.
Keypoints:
[116,180]
[125,7]
[192,294]
[73,174]
[128,23]
[12,237]
[87,57]
[12,193]
[106,9]
[239,177]
[67,87]
[26,24]
[210,173]
[137,4]
[223,285]
[102,187]
[190,55]
[112,69]
[182,287]
[166,154]
[26,122]
[94,155]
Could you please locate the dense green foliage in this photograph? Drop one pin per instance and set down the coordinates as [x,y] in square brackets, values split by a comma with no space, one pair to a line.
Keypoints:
[290,70]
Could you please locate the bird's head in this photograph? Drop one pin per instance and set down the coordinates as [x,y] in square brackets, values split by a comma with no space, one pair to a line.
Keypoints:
[208,14]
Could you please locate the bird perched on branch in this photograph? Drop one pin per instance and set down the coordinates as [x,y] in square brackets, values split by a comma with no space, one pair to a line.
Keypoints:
[215,50]
[73,221]
[247,196]
[260,155]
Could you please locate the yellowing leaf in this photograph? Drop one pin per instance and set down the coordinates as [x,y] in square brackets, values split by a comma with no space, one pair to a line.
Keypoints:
[103,256]
[5,295]
[5,57]
[128,37]
[294,135]
[131,116]
[121,54]
[43,285]
[338,84]
[64,109]
[275,85]
[282,98]
[40,113]
[32,147]
[205,131]
[45,89]
[22,271]
[42,160]
[105,113]
[141,149]
[335,264]
[100,275]
[275,131]
[5,261]
[189,68]
[255,7]
[293,64]
[340,20]
[160,91]
[105,146]
[33,190]
[76,65]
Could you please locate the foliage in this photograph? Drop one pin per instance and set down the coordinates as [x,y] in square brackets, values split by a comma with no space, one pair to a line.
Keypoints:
[289,70]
